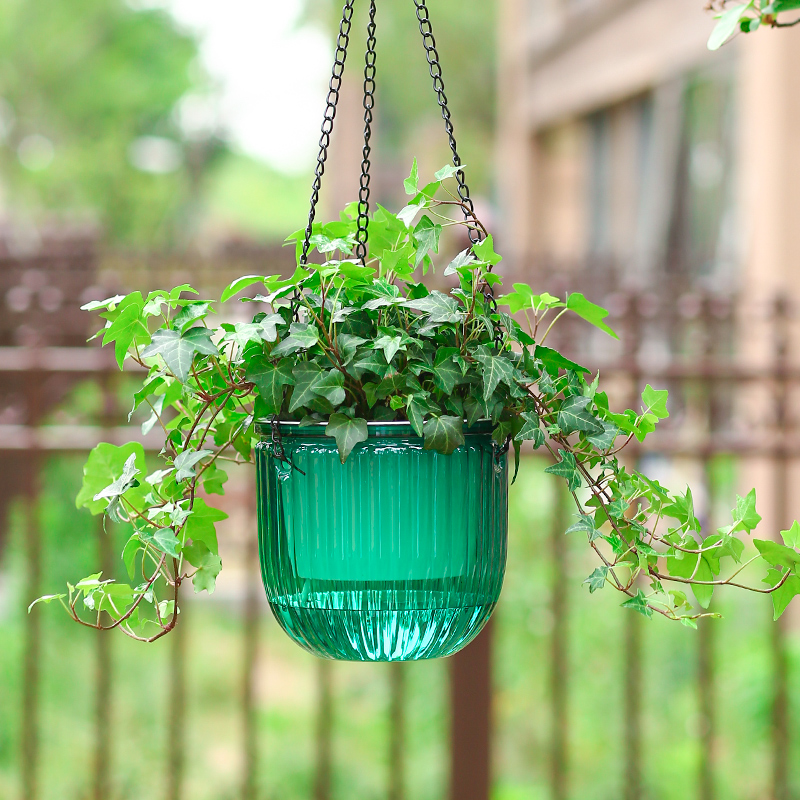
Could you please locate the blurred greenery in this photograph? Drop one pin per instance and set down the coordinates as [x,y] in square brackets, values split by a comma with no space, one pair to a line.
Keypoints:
[89,88]
[286,693]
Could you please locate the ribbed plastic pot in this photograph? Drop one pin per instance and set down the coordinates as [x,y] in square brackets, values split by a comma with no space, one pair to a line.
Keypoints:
[397,555]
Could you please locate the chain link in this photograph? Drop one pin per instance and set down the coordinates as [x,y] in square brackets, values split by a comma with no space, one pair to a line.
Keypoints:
[362,234]
[435,68]
[332,100]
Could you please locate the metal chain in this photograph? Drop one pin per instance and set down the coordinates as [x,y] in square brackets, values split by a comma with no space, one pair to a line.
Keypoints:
[432,55]
[362,234]
[334,88]
[475,235]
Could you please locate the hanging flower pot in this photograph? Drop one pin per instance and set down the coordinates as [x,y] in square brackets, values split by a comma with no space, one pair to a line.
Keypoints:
[397,554]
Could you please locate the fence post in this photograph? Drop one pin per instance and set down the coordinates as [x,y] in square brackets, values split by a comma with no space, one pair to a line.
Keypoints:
[780,702]
[103,729]
[176,744]
[470,725]
[397,728]
[250,659]
[322,778]
[559,661]
[33,649]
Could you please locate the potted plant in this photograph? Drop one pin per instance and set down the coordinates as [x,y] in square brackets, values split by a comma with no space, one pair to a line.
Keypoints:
[379,413]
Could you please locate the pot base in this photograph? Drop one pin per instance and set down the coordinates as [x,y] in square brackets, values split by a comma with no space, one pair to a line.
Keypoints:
[375,625]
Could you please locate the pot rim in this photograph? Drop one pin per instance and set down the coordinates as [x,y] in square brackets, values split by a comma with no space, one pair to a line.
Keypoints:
[482,427]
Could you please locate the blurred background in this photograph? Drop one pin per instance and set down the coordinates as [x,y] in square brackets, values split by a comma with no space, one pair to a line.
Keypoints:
[145,143]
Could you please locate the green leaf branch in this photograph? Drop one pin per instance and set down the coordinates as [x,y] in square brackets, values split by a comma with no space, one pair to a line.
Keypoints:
[340,344]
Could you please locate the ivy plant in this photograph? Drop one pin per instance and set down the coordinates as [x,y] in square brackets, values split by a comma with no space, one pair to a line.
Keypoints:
[749,16]
[342,343]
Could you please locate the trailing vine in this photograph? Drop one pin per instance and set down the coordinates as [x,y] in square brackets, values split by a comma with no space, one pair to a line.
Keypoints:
[344,343]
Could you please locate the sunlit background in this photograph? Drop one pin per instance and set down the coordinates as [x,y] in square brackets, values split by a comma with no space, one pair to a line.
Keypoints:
[151,142]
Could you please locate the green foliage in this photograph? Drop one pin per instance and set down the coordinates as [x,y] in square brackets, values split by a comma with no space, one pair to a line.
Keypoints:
[345,344]
[89,79]
[747,17]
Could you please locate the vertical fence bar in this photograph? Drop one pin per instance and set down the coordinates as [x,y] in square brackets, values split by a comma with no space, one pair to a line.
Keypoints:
[559,662]
[633,707]
[103,729]
[470,725]
[780,702]
[33,651]
[397,730]
[322,777]
[249,664]
[633,629]
[705,636]
[176,744]
[103,692]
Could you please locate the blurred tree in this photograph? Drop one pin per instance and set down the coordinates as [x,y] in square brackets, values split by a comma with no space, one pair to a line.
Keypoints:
[88,123]
[407,109]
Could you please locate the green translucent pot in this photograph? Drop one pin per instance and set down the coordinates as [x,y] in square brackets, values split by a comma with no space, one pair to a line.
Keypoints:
[397,555]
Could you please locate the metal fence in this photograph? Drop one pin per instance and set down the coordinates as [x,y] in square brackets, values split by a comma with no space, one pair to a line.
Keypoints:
[689,341]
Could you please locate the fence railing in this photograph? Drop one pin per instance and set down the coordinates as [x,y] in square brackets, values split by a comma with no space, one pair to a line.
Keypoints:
[732,394]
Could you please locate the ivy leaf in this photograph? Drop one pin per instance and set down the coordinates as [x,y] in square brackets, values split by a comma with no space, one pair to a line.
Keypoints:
[126,480]
[605,440]
[495,370]
[270,380]
[178,351]
[390,346]
[554,361]
[47,599]
[416,409]
[590,312]
[463,259]
[132,547]
[439,307]
[186,461]
[240,284]
[330,385]
[375,362]
[448,171]
[443,434]
[411,183]
[208,565]
[426,236]
[574,416]
[200,526]
[302,337]
[530,429]
[727,25]
[655,401]
[163,539]
[597,580]
[104,465]
[567,469]
[523,298]
[347,432]
[791,538]
[639,603]
[586,525]
[682,509]
[787,592]
[745,516]
[485,251]
[446,373]
[126,329]
[778,555]
[189,313]
[305,375]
